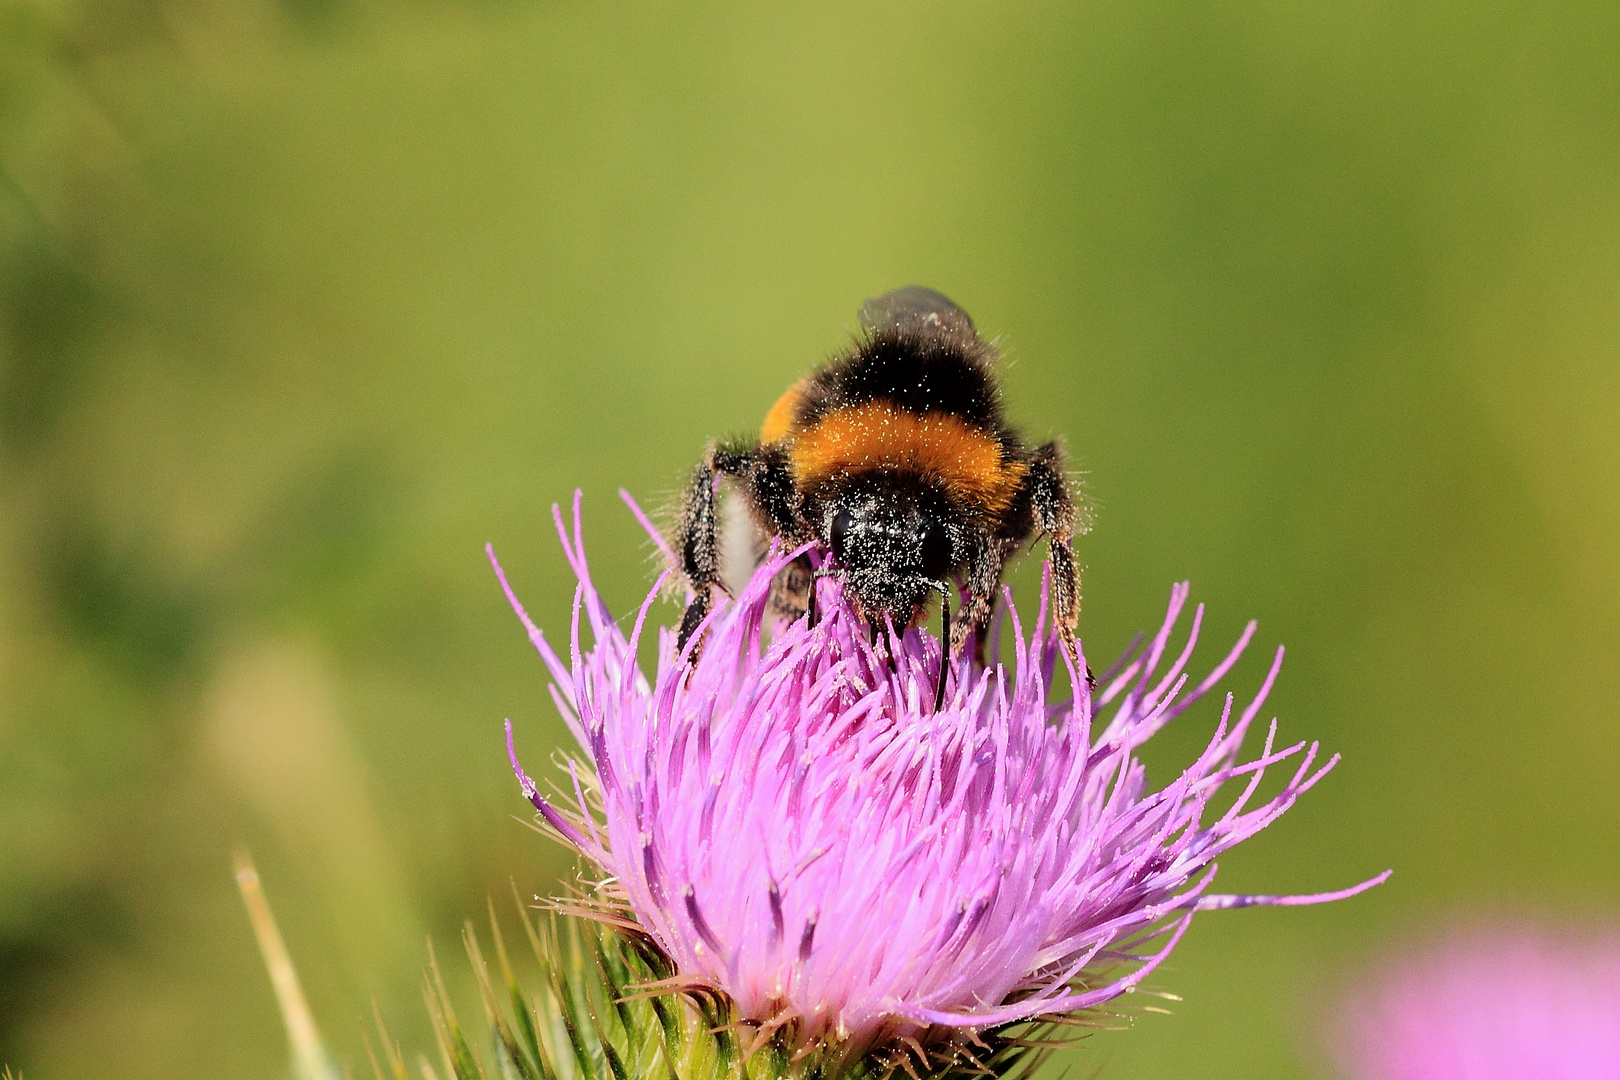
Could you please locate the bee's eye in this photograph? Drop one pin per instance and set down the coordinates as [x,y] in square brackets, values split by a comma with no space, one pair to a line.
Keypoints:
[936,551]
[840,530]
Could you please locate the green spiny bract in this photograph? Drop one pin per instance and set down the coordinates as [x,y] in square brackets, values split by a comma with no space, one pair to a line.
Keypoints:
[602,1003]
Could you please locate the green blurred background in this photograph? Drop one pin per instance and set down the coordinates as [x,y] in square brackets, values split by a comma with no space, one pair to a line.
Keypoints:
[305,301]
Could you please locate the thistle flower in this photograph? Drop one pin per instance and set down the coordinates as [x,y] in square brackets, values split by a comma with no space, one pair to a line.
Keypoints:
[1503,1003]
[797,827]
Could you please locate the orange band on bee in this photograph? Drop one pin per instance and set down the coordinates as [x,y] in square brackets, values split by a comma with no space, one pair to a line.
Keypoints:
[964,460]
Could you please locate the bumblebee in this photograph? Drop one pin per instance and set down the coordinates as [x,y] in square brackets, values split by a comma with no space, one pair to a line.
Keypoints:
[895,457]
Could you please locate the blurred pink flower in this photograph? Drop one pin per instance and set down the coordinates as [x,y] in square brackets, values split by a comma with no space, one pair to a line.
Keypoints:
[795,825]
[1490,1003]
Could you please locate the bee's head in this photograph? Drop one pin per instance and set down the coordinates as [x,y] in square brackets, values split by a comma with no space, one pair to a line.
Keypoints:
[893,540]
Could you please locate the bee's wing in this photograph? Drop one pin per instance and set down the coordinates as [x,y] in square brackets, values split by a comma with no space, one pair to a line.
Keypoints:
[913,307]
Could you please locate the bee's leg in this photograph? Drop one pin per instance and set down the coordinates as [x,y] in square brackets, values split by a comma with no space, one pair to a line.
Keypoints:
[812,611]
[945,649]
[697,550]
[766,483]
[1053,502]
[793,591]
[762,475]
[981,578]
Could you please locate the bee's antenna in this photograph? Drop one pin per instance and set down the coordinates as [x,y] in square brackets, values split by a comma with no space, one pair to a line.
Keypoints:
[944,643]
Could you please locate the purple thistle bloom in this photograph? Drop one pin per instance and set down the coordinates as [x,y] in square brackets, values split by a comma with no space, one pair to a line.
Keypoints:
[795,825]
[1504,1003]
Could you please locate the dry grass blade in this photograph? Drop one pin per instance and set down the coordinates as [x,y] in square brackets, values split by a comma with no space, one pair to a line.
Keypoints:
[310,1059]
